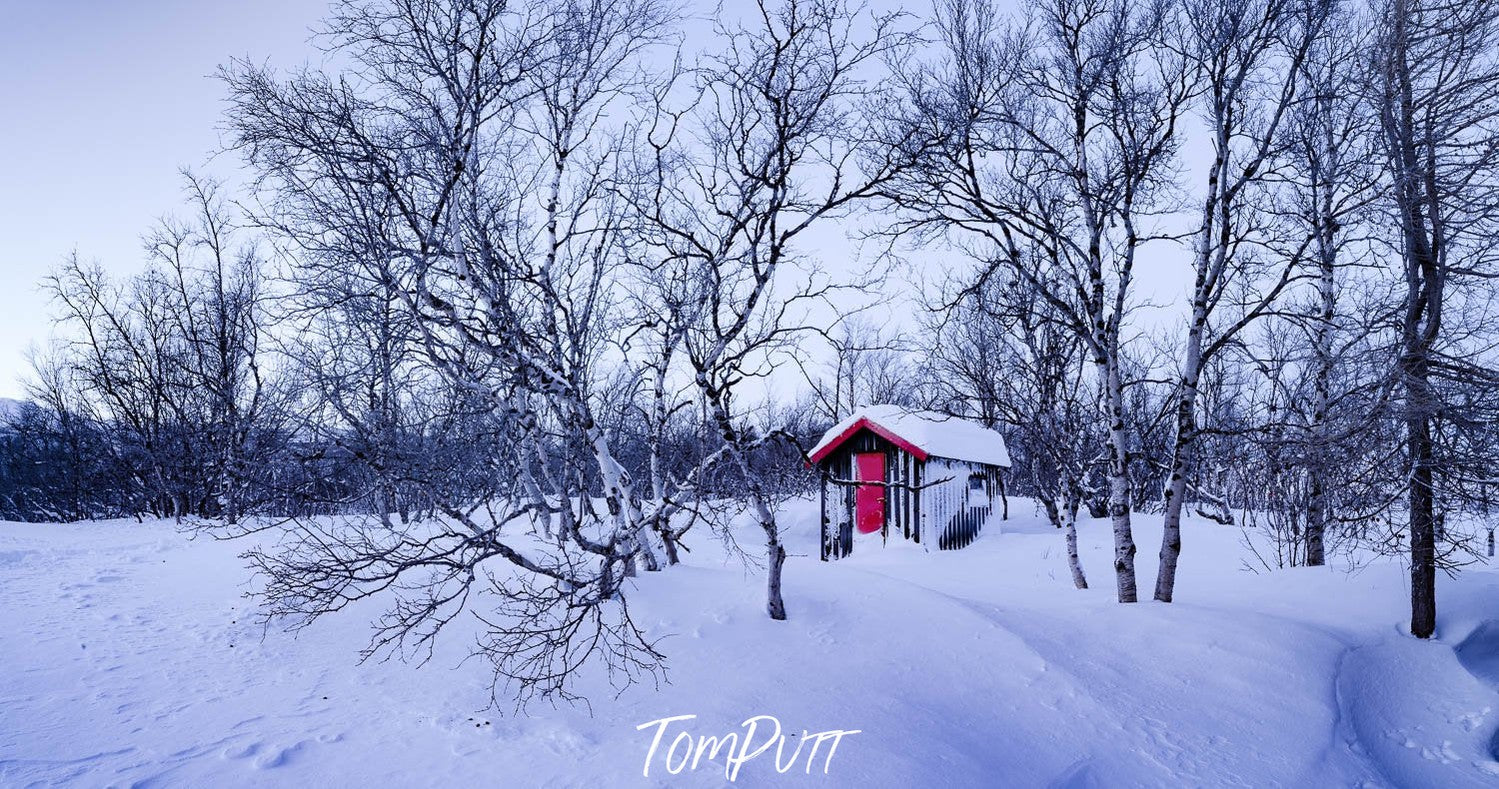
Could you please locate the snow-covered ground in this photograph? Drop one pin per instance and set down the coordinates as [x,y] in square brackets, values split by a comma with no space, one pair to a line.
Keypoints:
[128,657]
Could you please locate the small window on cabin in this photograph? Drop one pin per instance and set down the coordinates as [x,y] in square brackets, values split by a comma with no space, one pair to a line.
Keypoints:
[976,483]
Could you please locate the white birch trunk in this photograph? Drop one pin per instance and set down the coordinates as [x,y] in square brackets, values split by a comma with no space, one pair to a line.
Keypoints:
[1117,471]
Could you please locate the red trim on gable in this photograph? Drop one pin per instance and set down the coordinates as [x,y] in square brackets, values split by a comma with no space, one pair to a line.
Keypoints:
[865,424]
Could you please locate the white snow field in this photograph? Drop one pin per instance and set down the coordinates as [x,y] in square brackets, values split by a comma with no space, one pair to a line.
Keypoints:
[129,658]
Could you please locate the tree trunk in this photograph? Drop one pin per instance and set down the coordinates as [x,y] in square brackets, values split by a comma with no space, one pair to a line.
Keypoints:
[1316,521]
[1423,521]
[1062,512]
[775,555]
[1176,482]
[775,552]
[1318,460]
[1074,563]
[1423,530]
[647,557]
[1053,514]
[670,543]
[1118,476]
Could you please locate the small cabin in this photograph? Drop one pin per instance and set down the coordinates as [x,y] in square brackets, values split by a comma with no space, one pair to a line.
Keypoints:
[921,476]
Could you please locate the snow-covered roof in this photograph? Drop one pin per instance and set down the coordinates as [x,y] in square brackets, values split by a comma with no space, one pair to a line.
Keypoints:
[922,433]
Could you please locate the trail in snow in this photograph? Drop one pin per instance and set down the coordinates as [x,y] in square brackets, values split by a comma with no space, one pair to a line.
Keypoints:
[1233,744]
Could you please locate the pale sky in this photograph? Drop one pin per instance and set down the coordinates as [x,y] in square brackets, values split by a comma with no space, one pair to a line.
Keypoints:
[104,101]
[101,103]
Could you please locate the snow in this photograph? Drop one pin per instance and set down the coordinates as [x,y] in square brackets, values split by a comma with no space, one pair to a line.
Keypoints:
[130,658]
[936,434]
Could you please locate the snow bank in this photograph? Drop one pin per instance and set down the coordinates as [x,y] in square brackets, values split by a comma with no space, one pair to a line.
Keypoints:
[1424,719]
[129,658]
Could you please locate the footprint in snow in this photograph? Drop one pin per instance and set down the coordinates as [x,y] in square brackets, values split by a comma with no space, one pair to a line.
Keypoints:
[1471,720]
[241,751]
[279,758]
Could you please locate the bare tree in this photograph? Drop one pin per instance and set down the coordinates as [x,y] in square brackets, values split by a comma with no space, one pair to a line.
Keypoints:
[466,162]
[58,460]
[217,311]
[770,105]
[770,147]
[171,360]
[1245,57]
[1437,96]
[1329,175]
[1050,145]
[868,366]
[1040,395]
[967,357]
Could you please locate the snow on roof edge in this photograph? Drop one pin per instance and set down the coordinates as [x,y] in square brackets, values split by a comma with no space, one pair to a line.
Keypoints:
[936,434]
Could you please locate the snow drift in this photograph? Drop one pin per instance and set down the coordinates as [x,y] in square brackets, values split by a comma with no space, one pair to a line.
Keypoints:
[131,659]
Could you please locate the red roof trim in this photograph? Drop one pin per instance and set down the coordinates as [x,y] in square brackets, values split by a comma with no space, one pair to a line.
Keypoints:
[865,424]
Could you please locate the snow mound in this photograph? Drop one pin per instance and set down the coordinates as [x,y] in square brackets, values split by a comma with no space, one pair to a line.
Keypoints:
[1422,719]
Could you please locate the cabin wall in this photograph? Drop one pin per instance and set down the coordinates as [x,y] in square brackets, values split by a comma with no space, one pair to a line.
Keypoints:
[902,494]
[958,498]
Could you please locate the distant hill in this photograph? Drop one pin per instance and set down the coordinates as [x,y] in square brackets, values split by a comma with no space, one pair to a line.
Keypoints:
[9,409]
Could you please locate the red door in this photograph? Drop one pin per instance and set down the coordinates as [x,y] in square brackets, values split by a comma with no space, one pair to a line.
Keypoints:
[869,500]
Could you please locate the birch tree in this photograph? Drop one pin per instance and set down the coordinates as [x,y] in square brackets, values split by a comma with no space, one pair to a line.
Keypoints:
[868,367]
[465,158]
[1328,176]
[1040,393]
[1244,58]
[770,148]
[170,360]
[218,312]
[1056,136]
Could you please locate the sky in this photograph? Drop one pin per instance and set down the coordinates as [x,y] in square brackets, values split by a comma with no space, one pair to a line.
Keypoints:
[105,101]
[102,103]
